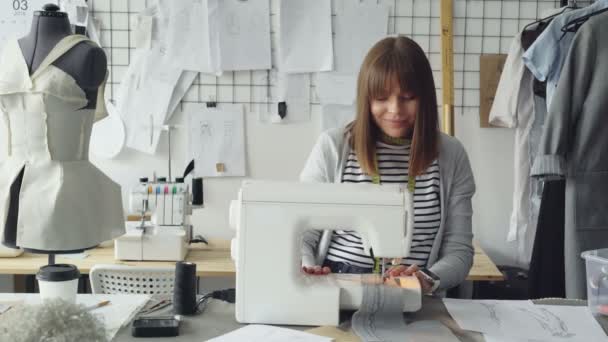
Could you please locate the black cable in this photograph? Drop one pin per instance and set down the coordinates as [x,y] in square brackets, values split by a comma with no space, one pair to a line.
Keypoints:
[226,295]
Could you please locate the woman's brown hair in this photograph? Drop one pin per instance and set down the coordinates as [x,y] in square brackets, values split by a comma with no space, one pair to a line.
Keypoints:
[402,59]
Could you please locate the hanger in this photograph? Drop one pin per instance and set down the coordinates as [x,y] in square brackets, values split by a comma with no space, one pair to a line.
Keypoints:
[570,6]
[574,24]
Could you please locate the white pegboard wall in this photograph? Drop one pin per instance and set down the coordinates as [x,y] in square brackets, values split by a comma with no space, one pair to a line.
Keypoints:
[480,26]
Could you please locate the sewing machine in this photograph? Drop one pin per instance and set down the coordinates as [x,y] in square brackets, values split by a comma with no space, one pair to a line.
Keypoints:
[270,219]
[166,236]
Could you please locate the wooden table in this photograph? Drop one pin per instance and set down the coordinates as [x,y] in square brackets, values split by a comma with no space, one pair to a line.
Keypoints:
[483,268]
[211,261]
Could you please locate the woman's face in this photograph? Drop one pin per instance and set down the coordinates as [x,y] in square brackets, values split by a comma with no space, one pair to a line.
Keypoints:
[394,112]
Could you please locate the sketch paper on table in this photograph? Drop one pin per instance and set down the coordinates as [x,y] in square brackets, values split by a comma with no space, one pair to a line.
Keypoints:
[268,333]
[77,10]
[305,38]
[120,311]
[294,90]
[429,331]
[494,338]
[336,116]
[523,319]
[358,26]
[216,136]
[336,88]
[16,18]
[244,28]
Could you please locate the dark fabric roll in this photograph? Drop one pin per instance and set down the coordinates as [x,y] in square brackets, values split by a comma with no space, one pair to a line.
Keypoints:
[184,290]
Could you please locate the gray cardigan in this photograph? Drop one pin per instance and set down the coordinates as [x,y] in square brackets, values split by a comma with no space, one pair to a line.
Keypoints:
[451,256]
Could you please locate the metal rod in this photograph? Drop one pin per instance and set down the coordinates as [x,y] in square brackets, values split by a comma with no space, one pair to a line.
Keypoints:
[169,136]
[51,259]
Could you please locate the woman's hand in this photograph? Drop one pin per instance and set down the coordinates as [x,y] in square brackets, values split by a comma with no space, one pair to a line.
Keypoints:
[402,270]
[316,270]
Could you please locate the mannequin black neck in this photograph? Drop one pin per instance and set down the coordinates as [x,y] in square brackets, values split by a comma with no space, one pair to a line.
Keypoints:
[45,33]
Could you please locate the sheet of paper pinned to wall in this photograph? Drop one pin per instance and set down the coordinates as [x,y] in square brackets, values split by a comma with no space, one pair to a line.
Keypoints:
[142,24]
[16,18]
[294,91]
[143,100]
[155,82]
[77,10]
[94,30]
[305,38]
[185,36]
[244,28]
[358,26]
[336,116]
[216,139]
[336,88]
[525,320]
[268,333]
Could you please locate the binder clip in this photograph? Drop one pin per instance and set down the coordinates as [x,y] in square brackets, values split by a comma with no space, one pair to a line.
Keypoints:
[282,109]
[211,104]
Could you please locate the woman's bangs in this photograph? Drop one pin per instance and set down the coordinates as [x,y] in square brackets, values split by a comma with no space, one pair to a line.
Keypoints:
[385,72]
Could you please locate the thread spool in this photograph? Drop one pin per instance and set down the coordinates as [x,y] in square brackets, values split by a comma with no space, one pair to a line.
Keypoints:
[184,289]
[197,191]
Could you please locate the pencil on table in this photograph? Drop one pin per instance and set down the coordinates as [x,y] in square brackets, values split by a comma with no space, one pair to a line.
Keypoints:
[98,305]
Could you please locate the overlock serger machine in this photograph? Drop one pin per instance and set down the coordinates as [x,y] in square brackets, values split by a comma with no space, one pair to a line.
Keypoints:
[271,218]
[166,236]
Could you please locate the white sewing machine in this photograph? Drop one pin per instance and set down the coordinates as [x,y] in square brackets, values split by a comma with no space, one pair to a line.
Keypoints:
[167,235]
[270,219]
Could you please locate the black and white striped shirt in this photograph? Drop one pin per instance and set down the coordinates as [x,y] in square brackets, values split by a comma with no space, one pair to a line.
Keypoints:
[393,162]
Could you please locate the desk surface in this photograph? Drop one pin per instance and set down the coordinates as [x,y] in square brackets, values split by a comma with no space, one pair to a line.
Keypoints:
[212,261]
[218,319]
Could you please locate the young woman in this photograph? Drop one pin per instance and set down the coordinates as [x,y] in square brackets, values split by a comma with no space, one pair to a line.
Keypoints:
[395,139]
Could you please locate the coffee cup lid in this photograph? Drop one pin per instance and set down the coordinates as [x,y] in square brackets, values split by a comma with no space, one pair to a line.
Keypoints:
[58,272]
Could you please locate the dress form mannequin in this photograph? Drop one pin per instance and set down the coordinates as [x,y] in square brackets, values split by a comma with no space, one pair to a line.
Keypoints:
[61,98]
[86,63]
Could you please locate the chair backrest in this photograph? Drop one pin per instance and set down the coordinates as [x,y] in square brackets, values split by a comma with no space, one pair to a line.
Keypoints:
[117,279]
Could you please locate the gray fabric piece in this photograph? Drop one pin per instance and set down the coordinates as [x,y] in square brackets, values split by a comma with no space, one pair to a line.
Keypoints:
[380,317]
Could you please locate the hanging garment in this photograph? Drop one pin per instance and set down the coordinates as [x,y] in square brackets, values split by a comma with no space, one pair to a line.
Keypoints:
[545,58]
[60,202]
[573,146]
[515,106]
